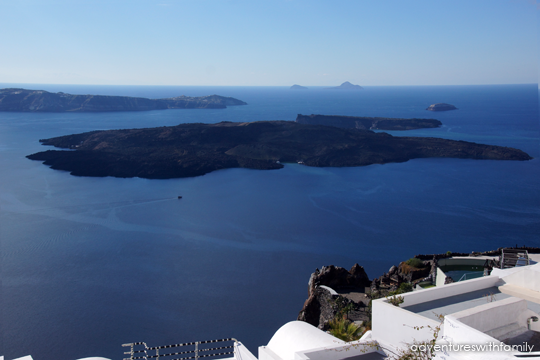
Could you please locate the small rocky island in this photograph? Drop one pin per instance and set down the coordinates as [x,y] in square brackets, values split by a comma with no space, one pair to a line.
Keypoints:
[298,87]
[22,100]
[346,86]
[373,123]
[196,149]
[441,107]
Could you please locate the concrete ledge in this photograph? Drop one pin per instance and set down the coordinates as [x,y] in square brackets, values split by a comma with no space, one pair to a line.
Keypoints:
[457,332]
[521,292]
[267,354]
[500,319]
[243,352]
[507,331]
[440,292]
[395,325]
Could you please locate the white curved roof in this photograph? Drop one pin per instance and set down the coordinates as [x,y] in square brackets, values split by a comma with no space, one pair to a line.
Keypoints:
[297,336]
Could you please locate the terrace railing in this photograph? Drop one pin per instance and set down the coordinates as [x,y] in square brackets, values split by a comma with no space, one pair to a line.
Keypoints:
[471,275]
[192,350]
[513,257]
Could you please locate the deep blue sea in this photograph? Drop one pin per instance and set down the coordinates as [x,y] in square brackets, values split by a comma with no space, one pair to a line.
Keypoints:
[90,263]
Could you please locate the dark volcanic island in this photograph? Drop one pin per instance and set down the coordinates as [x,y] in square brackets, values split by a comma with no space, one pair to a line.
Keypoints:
[43,101]
[196,149]
[346,86]
[441,107]
[374,123]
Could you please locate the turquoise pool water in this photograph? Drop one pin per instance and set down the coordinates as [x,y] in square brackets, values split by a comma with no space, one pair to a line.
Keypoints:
[463,272]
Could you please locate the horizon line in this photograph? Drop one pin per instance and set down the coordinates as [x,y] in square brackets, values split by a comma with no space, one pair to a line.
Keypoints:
[307,86]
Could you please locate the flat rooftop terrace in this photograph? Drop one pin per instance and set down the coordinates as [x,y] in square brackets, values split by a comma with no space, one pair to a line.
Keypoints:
[457,303]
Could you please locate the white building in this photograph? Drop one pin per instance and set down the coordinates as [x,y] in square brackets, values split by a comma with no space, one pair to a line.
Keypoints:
[492,313]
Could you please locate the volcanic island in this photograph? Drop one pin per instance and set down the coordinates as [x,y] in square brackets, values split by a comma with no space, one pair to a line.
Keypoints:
[188,150]
[441,107]
[23,100]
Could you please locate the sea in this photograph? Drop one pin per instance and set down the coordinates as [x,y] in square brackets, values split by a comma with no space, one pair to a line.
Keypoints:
[88,264]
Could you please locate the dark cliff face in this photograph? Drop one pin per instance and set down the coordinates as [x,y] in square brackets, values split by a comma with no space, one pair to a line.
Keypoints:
[196,149]
[320,306]
[43,101]
[374,123]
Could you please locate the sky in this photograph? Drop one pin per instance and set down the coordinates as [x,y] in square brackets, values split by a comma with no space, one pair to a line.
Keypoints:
[269,42]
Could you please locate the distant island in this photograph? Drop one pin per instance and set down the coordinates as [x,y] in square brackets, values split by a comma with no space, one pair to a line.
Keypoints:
[298,87]
[441,107]
[373,123]
[196,149]
[22,100]
[346,86]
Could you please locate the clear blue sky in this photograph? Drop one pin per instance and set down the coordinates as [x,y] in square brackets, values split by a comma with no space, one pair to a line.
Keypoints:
[274,42]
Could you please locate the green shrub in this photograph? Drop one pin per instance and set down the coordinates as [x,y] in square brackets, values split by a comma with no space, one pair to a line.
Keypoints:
[415,263]
[344,329]
[405,288]
[395,300]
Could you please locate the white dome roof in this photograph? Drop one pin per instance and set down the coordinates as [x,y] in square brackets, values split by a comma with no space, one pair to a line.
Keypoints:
[297,336]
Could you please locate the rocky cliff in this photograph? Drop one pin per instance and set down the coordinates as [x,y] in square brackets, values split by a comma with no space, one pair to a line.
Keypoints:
[44,101]
[403,273]
[321,305]
[354,290]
